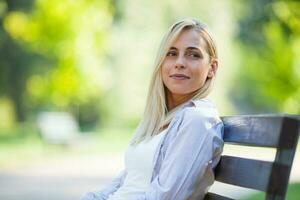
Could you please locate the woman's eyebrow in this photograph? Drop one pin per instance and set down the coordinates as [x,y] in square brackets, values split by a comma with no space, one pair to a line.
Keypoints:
[173,48]
[188,48]
[193,48]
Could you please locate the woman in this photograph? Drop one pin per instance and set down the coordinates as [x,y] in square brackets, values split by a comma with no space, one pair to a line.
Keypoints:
[179,139]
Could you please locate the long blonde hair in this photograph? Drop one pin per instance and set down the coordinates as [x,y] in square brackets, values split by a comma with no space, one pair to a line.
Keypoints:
[156,115]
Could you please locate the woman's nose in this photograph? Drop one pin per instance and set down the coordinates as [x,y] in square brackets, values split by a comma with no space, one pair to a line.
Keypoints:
[180,62]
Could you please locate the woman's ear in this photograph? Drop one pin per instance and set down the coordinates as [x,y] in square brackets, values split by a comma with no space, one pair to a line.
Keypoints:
[213,68]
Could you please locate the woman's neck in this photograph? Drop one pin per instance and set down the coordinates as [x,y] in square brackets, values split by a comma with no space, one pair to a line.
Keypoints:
[174,100]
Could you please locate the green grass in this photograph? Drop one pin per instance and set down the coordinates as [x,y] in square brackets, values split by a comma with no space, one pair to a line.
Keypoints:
[293,193]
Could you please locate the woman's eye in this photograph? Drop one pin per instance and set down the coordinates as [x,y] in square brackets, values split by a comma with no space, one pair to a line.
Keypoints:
[194,55]
[171,53]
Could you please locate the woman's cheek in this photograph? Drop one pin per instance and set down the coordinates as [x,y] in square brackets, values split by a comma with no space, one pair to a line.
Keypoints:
[166,71]
[164,75]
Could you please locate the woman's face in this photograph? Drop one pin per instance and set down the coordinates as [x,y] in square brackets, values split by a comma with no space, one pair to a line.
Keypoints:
[187,65]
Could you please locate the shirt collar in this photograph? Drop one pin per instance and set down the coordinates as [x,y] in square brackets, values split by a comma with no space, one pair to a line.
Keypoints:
[206,105]
[204,102]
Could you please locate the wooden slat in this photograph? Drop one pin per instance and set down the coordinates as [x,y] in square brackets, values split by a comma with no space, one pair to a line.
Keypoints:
[244,172]
[258,130]
[289,133]
[278,131]
[284,159]
[212,196]
[279,179]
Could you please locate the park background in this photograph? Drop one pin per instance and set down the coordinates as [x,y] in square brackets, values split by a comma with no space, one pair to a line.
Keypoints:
[93,59]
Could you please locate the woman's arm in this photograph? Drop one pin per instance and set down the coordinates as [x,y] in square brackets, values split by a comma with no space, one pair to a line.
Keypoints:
[109,189]
[188,160]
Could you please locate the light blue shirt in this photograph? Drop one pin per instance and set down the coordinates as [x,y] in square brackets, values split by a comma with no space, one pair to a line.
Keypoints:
[185,157]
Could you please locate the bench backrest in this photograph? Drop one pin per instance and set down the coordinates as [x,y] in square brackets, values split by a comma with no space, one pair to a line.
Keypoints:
[276,131]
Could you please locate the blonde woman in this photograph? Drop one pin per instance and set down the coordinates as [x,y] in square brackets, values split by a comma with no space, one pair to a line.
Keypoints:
[179,140]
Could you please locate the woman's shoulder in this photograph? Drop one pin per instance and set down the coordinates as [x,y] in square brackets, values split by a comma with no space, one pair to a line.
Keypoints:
[202,109]
[204,114]
[198,117]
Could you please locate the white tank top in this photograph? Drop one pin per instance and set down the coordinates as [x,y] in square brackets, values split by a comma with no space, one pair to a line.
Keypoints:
[139,166]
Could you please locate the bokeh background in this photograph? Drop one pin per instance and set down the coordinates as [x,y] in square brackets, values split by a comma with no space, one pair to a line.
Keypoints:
[84,66]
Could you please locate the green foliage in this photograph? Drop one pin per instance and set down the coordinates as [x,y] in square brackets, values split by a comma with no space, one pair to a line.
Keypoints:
[94,58]
[269,78]
[73,34]
[69,41]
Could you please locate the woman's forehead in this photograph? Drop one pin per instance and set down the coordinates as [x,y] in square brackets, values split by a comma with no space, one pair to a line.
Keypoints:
[188,38]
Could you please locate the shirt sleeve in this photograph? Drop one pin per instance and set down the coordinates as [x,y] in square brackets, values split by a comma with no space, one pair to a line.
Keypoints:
[188,159]
[106,191]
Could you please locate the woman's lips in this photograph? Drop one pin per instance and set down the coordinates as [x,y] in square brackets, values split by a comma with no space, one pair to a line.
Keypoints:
[179,76]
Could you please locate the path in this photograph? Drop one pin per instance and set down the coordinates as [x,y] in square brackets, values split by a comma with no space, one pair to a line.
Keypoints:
[69,178]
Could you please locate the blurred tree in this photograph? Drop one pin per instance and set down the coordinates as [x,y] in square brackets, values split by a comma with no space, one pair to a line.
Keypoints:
[15,62]
[269,76]
[72,38]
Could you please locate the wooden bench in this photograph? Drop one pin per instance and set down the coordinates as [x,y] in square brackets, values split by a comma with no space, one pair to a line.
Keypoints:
[277,131]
